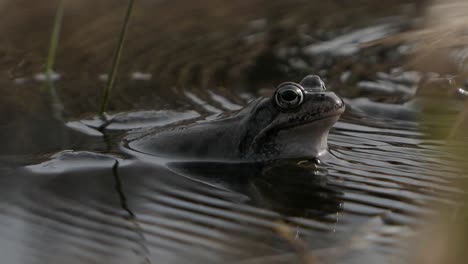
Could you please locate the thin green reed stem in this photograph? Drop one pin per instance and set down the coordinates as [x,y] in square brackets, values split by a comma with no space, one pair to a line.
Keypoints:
[57,106]
[54,41]
[115,60]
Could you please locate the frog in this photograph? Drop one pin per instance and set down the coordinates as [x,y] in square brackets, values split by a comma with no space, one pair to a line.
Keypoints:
[292,123]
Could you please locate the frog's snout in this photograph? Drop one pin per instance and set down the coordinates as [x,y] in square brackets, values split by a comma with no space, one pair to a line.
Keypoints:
[337,104]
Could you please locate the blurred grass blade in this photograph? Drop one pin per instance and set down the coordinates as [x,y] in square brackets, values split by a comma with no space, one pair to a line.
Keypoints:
[115,60]
[57,106]
[54,41]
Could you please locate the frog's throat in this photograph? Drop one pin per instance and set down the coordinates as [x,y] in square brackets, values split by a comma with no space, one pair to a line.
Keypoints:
[272,130]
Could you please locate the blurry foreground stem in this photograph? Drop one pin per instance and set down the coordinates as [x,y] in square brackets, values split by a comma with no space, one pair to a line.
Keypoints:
[115,61]
[459,121]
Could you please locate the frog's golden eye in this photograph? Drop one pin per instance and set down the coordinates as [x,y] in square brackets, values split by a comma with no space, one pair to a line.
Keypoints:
[289,95]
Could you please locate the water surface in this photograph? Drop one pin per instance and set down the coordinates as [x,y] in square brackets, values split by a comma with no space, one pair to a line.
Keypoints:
[70,193]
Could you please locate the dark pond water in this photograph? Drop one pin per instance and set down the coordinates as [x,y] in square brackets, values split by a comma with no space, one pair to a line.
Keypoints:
[71,193]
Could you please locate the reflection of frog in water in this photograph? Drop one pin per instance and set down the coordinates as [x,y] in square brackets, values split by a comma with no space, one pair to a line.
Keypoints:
[293,123]
[291,187]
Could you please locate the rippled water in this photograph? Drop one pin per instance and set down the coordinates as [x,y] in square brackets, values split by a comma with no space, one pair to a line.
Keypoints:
[94,204]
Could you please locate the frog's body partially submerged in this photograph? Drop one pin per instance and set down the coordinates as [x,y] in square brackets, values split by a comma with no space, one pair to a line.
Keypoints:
[293,123]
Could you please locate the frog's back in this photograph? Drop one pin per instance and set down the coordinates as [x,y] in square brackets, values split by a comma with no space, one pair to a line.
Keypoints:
[206,140]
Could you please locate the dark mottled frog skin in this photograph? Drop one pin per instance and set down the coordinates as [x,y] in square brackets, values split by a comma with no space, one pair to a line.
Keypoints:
[293,123]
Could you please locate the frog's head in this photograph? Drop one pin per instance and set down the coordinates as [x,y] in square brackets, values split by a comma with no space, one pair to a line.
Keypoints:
[293,123]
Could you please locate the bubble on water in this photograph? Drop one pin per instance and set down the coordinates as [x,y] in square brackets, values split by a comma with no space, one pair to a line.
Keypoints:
[20,80]
[141,76]
[405,49]
[41,77]
[463,92]
[247,97]
[298,64]
[344,77]
[103,77]
[258,24]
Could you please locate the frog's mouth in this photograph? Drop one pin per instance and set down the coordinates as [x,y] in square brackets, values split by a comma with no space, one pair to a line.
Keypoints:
[308,120]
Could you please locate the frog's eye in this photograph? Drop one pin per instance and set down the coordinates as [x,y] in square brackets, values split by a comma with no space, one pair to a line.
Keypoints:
[289,95]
